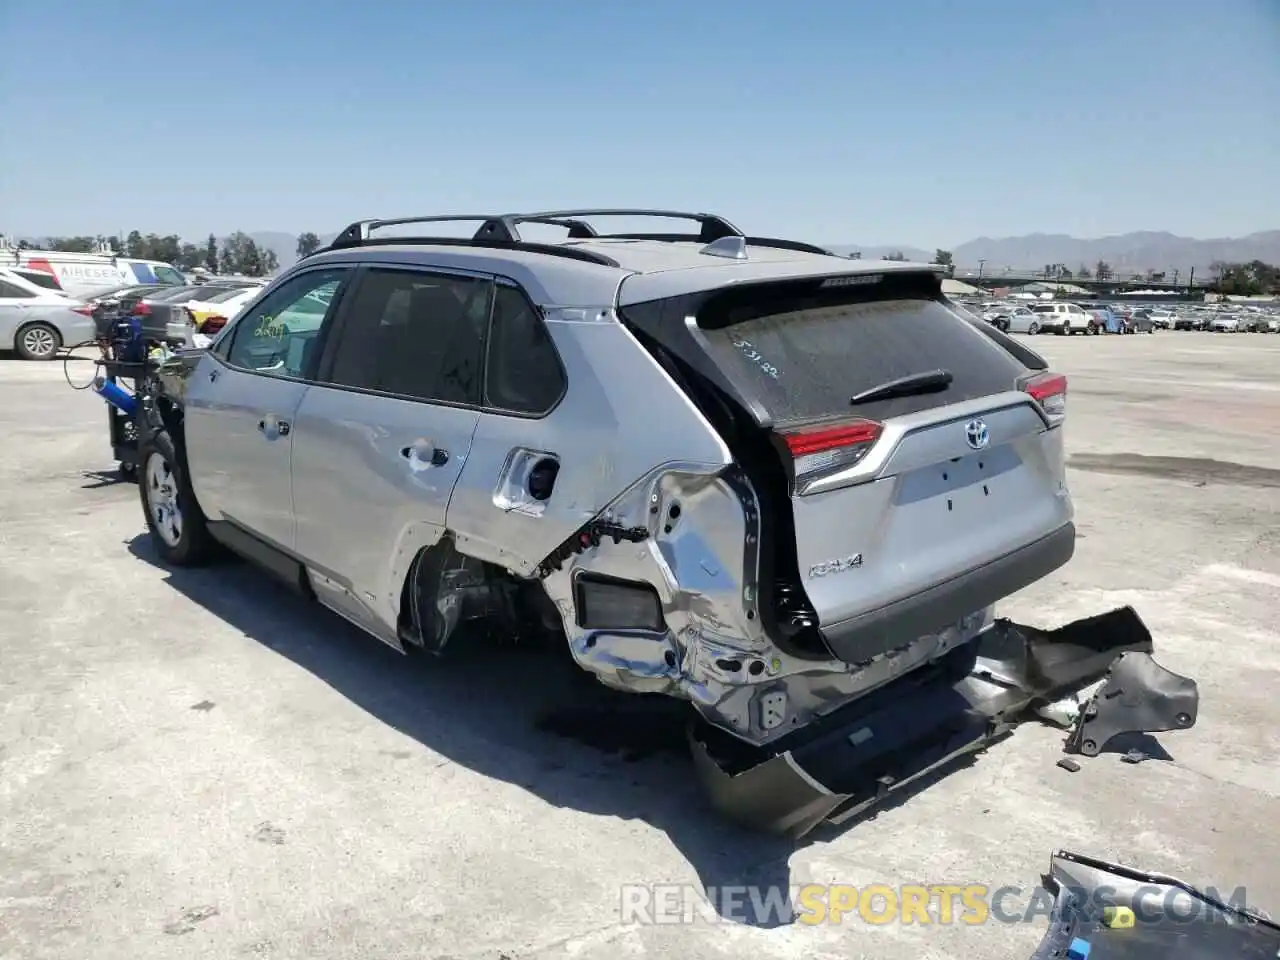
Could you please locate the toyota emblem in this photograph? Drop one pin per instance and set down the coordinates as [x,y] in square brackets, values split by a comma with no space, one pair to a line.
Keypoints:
[976,434]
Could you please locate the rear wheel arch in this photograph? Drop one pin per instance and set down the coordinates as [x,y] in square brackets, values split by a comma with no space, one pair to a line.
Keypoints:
[507,602]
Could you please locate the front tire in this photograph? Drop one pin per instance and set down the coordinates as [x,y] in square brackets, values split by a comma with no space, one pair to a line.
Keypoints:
[1033,329]
[174,518]
[37,341]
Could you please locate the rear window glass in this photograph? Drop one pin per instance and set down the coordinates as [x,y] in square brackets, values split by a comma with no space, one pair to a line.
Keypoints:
[41,279]
[221,296]
[806,365]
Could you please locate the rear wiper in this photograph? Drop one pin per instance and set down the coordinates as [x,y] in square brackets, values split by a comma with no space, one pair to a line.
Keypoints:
[931,381]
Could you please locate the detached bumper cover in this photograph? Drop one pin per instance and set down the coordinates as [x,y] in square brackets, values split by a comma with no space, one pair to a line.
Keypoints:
[845,763]
[1106,910]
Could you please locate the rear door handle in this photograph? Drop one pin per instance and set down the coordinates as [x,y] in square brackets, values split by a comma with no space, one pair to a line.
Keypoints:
[281,427]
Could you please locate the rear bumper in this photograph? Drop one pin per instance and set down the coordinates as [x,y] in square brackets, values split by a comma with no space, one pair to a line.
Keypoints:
[860,638]
[848,761]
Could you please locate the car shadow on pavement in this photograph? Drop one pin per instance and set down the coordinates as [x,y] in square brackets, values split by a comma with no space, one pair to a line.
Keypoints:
[527,717]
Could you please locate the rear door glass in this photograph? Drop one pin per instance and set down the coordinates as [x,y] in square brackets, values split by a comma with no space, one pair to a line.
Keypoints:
[806,365]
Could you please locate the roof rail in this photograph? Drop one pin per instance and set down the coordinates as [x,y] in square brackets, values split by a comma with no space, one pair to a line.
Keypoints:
[503,230]
[505,227]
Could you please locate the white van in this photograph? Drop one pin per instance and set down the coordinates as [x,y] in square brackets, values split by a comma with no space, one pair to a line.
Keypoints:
[1062,318]
[79,274]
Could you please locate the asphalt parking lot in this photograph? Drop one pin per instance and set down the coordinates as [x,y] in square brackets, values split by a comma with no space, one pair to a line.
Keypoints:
[197,764]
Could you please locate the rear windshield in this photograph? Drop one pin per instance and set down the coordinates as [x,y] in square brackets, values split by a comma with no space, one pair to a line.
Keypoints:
[41,279]
[174,294]
[220,296]
[806,365]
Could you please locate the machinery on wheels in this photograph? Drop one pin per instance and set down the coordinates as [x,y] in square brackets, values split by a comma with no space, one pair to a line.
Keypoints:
[781,485]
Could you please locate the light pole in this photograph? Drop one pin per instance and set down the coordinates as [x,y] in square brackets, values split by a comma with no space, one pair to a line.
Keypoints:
[981,263]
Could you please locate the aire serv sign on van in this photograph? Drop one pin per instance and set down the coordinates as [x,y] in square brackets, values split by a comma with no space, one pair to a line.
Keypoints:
[81,273]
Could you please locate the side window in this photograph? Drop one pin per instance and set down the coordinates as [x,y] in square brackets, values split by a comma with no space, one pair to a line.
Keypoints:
[11,291]
[414,334]
[523,372]
[278,336]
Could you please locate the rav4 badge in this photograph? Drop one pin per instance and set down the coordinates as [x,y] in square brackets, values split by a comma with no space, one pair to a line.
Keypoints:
[838,565]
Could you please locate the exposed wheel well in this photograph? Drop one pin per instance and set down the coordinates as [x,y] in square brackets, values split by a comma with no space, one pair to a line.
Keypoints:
[518,609]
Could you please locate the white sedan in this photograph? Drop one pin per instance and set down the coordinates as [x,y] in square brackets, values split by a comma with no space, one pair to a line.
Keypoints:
[36,322]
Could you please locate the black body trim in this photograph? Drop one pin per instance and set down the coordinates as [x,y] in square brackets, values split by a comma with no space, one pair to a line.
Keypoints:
[274,559]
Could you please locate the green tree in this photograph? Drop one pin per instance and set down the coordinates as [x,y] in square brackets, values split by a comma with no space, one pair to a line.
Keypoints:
[1102,270]
[189,257]
[227,259]
[896,255]
[270,262]
[1083,272]
[166,249]
[211,254]
[134,244]
[308,243]
[72,244]
[942,257]
[251,259]
[235,253]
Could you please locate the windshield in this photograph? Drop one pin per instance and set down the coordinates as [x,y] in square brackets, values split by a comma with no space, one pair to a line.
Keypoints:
[167,274]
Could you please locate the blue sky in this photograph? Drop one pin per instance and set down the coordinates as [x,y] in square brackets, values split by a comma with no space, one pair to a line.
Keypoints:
[921,123]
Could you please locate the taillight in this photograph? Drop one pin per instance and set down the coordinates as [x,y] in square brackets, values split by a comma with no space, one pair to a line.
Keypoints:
[142,309]
[84,310]
[816,450]
[1050,391]
[212,325]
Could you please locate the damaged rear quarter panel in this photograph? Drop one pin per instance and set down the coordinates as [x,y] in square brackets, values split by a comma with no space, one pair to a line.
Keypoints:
[621,419]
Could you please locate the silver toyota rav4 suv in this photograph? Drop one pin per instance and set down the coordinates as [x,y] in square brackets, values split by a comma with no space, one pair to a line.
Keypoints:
[740,471]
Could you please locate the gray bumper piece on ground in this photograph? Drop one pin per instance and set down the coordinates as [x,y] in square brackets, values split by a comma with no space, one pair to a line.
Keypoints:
[1107,910]
[845,763]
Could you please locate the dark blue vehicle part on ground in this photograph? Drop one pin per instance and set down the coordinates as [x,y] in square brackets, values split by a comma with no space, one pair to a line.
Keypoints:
[1171,920]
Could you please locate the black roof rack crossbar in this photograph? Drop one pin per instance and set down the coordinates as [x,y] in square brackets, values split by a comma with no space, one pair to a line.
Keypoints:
[797,245]
[551,249]
[361,231]
[710,226]
[505,226]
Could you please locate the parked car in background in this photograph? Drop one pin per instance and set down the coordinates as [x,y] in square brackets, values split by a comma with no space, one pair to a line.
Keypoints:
[1062,318]
[1163,319]
[36,322]
[1190,321]
[1103,319]
[1225,323]
[165,316]
[211,314]
[80,273]
[1138,322]
[41,279]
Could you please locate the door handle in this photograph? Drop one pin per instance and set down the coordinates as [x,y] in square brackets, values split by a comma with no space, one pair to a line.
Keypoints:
[281,427]
[425,452]
[213,375]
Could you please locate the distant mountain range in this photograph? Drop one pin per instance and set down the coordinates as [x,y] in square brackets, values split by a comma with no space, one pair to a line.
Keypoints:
[1126,253]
